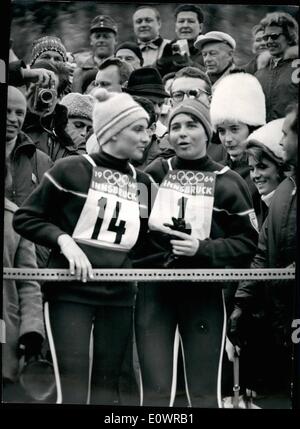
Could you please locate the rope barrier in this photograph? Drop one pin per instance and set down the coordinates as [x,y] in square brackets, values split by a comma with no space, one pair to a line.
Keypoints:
[113,275]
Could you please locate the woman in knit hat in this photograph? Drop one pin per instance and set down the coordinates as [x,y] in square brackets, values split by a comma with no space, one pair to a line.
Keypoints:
[80,111]
[87,210]
[237,109]
[202,217]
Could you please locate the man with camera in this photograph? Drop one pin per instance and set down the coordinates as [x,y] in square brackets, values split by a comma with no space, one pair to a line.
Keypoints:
[181,52]
[46,119]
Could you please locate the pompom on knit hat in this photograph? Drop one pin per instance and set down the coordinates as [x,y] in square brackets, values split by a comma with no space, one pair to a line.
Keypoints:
[113,112]
[268,138]
[47,43]
[79,105]
[196,108]
[238,97]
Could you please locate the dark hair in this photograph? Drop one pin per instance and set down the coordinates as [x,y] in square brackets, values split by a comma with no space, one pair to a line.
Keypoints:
[145,6]
[190,8]
[148,106]
[167,77]
[284,20]
[195,73]
[133,47]
[293,108]
[59,69]
[87,79]
[259,153]
[252,128]
[125,69]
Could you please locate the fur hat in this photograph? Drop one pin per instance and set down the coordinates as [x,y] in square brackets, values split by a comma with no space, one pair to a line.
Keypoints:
[79,105]
[113,112]
[238,97]
[268,138]
[196,108]
[47,43]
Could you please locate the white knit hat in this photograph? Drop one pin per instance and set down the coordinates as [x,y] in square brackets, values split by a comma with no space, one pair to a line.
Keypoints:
[238,97]
[79,105]
[268,137]
[113,112]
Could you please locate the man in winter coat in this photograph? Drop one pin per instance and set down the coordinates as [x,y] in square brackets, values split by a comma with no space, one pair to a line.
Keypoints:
[103,40]
[26,163]
[22,306]
[146,25]
[217,49]
[181,52]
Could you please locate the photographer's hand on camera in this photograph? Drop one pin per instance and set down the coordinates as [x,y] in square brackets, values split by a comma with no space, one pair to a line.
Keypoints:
[39,76]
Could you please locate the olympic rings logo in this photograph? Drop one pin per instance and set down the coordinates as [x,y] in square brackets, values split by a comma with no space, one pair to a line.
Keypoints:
[189,177]
[115,178]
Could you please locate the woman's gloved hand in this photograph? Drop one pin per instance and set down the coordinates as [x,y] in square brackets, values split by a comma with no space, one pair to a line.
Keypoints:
[30,344]
[236,325]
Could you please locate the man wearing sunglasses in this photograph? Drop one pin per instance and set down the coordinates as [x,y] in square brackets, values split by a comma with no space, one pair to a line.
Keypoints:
[279,79]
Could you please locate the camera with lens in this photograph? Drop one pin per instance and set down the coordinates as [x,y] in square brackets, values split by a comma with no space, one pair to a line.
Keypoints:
[44,98]
[181,47]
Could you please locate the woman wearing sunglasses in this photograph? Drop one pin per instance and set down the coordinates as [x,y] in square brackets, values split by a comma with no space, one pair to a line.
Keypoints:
[279,79]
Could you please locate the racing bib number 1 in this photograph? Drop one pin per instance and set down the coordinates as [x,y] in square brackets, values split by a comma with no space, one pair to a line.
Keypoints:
[185,195]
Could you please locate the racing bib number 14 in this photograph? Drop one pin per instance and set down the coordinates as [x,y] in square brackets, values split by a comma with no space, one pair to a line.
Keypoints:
[110,216]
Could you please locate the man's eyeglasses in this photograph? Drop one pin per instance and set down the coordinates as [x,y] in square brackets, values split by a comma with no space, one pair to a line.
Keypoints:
[273,36]
[195,93]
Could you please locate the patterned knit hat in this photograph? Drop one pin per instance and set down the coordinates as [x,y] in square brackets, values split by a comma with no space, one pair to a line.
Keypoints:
[79,105]
[196,108]
[238,97]
[268,138]
[47,43]
[113,112]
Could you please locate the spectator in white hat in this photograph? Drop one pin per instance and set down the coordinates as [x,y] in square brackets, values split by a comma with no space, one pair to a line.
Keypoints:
[217,50]
[266,160]
[237,109]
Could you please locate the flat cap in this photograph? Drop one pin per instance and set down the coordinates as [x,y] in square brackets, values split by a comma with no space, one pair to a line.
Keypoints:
[103,22]
[214,36]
